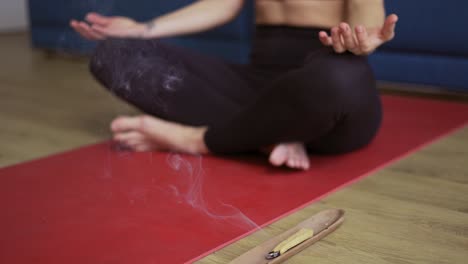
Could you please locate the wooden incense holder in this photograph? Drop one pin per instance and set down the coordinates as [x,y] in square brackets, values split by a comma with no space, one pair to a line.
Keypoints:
[322,224]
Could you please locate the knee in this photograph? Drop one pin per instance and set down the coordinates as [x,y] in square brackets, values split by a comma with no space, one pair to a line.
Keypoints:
[346,73]
[115,62]
[107,53]
[328,84]
[119,51]
[340,77]
[100,57]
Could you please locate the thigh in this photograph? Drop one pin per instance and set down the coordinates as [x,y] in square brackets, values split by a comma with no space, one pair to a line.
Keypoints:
[170,82]
[325,104]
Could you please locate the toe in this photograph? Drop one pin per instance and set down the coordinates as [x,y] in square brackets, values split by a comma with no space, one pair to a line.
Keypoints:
[278,156]
[297,161]
[142,147]
[305,164]
[291,163]
[128,136]
[298,164]
[125,123]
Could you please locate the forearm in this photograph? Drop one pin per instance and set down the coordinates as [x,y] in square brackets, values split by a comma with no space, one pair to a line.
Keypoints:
[197,17]
[369,13]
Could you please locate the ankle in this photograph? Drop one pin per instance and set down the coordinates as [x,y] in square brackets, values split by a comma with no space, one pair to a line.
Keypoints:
[196,140]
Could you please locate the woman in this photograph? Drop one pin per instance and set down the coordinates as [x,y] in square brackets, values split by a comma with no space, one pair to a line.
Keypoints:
[304,90]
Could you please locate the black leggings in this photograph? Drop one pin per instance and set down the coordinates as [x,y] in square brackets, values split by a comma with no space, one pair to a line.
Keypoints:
[294,89]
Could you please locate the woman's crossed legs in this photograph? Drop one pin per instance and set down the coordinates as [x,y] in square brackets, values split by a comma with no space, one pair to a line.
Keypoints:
[197,104]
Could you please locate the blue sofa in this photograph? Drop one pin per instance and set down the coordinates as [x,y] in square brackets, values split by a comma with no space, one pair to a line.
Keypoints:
[429,47]
[49,23]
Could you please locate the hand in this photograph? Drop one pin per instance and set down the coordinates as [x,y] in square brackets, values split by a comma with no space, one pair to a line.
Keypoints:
[364,41]
[101,27]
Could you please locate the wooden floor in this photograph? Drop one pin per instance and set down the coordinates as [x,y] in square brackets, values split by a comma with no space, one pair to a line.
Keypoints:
[414,211]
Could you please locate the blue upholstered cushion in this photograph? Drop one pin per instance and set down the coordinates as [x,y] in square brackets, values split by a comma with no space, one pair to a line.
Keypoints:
[435,70]
[433,26]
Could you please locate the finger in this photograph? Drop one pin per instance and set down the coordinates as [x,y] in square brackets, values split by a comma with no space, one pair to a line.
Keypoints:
[336,38]
[348,38]
[101,30]
[388,30]
[325,39]
[73,23]
[91,33]
[96,35]
[82,31]
[75,26]
[95,18]
[363,40]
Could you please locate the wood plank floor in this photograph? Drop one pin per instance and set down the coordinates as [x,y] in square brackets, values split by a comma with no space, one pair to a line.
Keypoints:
[414,211]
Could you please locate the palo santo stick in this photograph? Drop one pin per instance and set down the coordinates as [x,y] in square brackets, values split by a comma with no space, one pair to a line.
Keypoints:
[323,223]
[294,240]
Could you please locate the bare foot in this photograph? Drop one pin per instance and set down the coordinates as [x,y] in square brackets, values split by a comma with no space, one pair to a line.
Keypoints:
[292,154]
[144,133]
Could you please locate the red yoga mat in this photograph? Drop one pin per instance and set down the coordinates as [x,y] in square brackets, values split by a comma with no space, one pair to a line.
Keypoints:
[99,205]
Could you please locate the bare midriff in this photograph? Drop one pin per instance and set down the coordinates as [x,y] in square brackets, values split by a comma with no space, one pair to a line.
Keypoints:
[319,13]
